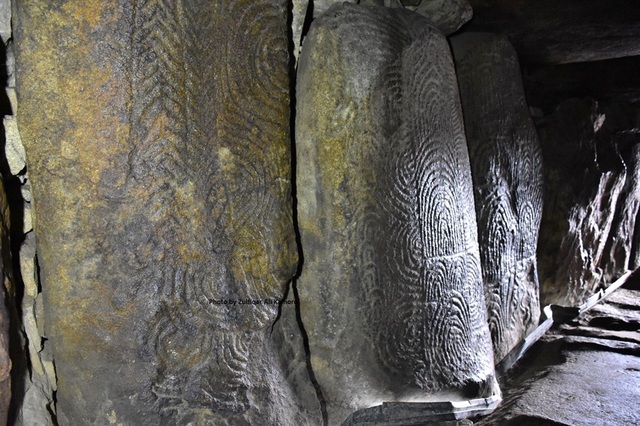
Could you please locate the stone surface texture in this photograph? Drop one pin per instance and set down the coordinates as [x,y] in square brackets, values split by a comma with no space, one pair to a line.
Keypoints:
[506,164]
[157,137]
[447,15]
[321,6]
[622,129]
[33,371]
[587,237]
[560,32]
[559,395]
[584,373]
[299,10]
[391,289]
[5,360]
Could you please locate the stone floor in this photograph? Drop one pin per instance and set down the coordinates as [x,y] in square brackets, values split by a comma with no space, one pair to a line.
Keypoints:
[586,372]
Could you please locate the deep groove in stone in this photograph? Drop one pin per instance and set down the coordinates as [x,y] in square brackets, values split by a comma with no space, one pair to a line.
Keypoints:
[292,128]
[285,296]
[307,352]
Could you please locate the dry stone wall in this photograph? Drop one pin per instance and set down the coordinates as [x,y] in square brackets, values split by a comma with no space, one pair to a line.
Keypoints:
[5,359]
[33,378]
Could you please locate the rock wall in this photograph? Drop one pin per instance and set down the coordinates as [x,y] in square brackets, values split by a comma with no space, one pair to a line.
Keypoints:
[506,164]
[588,234]
[623,242]
[447,15]
[391,288]
[33,379]
[5,301]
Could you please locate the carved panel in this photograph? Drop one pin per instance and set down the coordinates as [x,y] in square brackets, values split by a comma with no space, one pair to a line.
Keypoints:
[391,291]
[158,139]
[506,163]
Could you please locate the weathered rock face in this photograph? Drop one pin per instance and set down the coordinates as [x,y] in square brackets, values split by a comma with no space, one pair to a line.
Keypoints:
[622,129]
[584,180]
[447,15]
[506,164]
[321,6]
[299,10]
[157,140]
[391,289]
[5,360]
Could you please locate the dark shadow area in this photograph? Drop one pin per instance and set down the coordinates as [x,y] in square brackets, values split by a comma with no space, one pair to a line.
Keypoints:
[613,324]
[11,259]
[523,420]
[633,283]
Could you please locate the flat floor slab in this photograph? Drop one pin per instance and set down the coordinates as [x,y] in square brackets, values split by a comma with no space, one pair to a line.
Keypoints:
[576,376]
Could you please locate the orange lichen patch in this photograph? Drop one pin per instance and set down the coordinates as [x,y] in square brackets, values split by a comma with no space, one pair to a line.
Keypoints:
[75,91]
[334,115]
[90,12]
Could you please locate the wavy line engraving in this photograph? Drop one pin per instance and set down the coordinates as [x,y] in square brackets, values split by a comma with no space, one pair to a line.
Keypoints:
[445,321]
[388,184]
[506,166]
[210,115]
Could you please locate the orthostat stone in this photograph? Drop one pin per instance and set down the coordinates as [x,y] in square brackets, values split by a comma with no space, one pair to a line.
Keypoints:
[391,289]
[157,135]
[506,163]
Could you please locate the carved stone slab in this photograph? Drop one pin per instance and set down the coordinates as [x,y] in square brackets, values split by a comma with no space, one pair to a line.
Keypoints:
[157,138]
[506,163]
[391,288]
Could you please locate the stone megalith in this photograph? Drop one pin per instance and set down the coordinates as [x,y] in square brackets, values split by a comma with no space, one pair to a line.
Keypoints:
[157,138]
[391,293]
[506,164]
